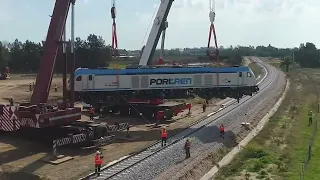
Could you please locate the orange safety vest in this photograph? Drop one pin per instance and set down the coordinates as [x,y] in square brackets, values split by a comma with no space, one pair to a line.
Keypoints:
[98,160]
[164,133]
[221,128]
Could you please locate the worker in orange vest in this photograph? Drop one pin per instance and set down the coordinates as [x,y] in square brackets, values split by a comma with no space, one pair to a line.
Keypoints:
[98,162]
[164,136]
[222,130]
[91,113]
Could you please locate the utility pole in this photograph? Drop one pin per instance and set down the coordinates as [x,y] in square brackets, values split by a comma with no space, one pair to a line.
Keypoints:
[293,54]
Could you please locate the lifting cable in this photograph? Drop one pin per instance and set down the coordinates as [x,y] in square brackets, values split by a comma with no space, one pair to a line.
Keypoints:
[115,51]
[212,16]
[140,113]
[151,20]
[212,30]
[126,100]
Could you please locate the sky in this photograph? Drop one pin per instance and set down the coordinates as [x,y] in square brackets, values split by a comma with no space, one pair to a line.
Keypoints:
[281,23]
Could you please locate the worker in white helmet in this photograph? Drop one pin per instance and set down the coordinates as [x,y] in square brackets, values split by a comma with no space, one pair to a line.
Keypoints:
[98,162]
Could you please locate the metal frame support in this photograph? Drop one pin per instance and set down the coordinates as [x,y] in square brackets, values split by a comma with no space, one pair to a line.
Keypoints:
[65,62]
[73,54]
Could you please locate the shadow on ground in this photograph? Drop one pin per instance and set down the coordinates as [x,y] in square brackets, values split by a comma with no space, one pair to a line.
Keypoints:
[18,176]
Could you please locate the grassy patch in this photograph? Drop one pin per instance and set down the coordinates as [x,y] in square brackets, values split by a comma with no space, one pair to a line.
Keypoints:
[313,171]
[279,150]
[275,64]
[245,62]
[256,69]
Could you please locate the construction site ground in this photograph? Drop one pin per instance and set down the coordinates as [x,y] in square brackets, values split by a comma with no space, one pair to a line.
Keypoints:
[22,159]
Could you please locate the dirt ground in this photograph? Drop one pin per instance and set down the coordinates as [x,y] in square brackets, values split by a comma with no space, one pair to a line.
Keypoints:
[21,159]
[18,88]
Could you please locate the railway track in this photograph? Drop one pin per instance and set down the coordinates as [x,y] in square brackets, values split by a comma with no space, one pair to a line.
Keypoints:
[122,167]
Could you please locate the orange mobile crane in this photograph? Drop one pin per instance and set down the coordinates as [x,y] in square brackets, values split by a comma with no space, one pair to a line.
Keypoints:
[37,116]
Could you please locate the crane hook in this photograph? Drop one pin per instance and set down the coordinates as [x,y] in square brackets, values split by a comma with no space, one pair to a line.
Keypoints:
[212,16]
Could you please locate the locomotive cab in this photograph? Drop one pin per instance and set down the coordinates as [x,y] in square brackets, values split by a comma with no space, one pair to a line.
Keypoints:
[84,82]
[251,78]
[78,83]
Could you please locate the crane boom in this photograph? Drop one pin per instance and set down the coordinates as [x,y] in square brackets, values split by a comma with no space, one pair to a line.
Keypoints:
[51,46]
[155,32]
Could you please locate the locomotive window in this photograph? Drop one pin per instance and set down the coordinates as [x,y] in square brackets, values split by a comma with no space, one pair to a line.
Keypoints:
[78,78]
[90,77]
[240,74]
[249,74]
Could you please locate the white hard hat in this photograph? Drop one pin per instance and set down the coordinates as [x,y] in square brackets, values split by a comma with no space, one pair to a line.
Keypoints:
[98,152]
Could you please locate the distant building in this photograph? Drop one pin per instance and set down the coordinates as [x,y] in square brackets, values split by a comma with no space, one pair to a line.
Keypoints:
[125,56]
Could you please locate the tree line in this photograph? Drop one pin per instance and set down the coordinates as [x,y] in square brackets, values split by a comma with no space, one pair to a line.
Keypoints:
[24,57]
[93,52]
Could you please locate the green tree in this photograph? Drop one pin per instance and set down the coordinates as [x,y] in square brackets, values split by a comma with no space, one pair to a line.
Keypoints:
[98,53]
[286,62]
[307,55]
[4,56]
[16,62]
[31,56]
[93,52]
